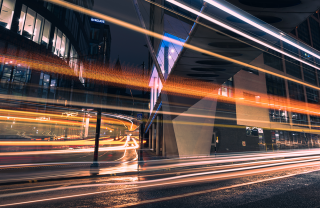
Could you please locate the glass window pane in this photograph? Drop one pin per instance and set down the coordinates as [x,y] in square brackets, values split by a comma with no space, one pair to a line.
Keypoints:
[7,13]
[58,43]
[46,80]
[54,40]
[38,29]
[67,49]
[22,19]
[63,45]
[29,24]
[46,33]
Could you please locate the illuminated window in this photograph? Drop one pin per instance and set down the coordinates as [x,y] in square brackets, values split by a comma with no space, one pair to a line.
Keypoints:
[278,115]
[60,44]
[38,29]
[298,118]
[29,24]
[22,19]
[7,10]
[46,33]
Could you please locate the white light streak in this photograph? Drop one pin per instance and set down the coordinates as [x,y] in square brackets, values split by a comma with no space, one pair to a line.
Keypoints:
[241,33]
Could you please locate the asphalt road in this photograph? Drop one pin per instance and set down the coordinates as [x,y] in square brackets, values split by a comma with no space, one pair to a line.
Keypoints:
[293,183]
[69,165]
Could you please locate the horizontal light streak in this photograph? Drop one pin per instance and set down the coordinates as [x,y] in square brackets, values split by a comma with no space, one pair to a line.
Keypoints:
[279,36]
[162,37]
[215,21]
[59,143]
[189,178]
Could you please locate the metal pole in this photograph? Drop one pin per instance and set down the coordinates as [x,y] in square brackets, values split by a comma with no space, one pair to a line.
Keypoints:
[150,138]
[158,137]
[151,50]
[153,137]
[96,147]
[141,135]
[163,139]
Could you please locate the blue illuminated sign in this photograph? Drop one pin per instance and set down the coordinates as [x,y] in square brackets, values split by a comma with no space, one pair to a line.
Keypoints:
[97,20]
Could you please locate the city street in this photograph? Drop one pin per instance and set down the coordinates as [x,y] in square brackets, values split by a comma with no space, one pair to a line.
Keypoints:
[275,186]
[160,103]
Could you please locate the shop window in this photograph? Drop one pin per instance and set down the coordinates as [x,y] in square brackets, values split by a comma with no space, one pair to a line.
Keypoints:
[21,76]
[44,80]
[7,10]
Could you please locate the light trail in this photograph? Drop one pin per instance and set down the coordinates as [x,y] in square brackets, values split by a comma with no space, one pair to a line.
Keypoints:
[162,37]
[208,191]
[63,143]
[192,180]
[178,86]
[279,36]
[312,109]
[8,115]
[215,21]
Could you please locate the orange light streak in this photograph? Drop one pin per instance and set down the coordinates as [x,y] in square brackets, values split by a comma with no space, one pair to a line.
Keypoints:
[161,37]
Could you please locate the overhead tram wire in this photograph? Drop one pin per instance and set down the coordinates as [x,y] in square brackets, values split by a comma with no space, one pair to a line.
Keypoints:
[162,37]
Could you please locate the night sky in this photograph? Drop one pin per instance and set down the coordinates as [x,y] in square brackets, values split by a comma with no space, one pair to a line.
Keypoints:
[126,44]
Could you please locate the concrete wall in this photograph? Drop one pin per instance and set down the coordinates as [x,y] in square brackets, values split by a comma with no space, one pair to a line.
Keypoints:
[189,132]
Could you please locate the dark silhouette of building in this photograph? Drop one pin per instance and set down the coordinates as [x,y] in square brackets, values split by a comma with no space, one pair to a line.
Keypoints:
[100,42]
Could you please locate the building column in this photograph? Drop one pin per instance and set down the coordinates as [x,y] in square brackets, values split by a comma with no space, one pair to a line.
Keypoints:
[153,136]
[150,138]
[158,137]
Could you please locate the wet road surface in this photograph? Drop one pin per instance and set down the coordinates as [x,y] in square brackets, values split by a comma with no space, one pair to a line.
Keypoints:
[290,184]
